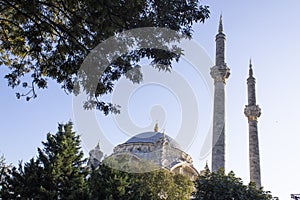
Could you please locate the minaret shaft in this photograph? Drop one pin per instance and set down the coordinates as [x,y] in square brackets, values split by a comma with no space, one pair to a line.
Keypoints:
[220,72]
[252,112]
[218,150]
[254,153]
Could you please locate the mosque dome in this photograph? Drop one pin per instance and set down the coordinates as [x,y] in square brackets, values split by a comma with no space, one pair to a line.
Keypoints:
[152,138]
[157,148]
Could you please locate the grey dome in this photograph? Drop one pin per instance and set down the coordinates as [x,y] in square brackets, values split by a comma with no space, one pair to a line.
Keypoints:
[152,137]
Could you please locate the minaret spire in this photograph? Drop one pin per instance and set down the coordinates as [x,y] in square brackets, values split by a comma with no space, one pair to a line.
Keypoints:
[251,86]
[220,44]
[220,25]
[220,72]
[252,112]
[250,68]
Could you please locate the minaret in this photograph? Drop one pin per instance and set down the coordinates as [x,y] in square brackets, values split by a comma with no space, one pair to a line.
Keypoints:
[156,127]
[220,72]
[252,112]
[95,157]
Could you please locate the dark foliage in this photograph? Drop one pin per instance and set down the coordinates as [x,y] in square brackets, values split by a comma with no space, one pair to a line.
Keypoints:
[219,186]
[49,39]
[57,173]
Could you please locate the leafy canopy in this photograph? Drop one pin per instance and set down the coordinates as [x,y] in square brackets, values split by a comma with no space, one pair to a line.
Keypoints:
[49,39]
[218,185]
[108,183]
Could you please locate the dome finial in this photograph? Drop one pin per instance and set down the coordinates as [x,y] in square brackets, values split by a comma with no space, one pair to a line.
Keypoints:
[156,127]
[206,165]
[98,145]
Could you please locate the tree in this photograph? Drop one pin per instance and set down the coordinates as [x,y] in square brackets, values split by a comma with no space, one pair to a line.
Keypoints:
[4,168]
[49,39]
[109,183]
[4,171]
[24,182]
[57,173]
[161,184]
[218,185]
[63,161]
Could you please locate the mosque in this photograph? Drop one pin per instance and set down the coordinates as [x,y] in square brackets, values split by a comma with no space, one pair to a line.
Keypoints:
[164,152]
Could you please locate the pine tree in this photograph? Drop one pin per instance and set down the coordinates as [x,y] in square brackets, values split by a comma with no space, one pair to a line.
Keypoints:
[24,182]
[57,173]
[5,169]
[62,161]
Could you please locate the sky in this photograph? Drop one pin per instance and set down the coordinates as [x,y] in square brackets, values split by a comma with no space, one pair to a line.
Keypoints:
[265,31]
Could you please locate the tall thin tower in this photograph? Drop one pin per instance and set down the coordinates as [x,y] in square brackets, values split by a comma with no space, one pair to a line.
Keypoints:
[252,112]
[220,72]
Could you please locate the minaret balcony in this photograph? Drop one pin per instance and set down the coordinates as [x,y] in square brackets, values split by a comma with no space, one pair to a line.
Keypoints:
[220,73]
[252,112]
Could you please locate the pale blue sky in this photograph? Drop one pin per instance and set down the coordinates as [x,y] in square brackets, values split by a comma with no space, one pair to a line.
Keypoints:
[267,31]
